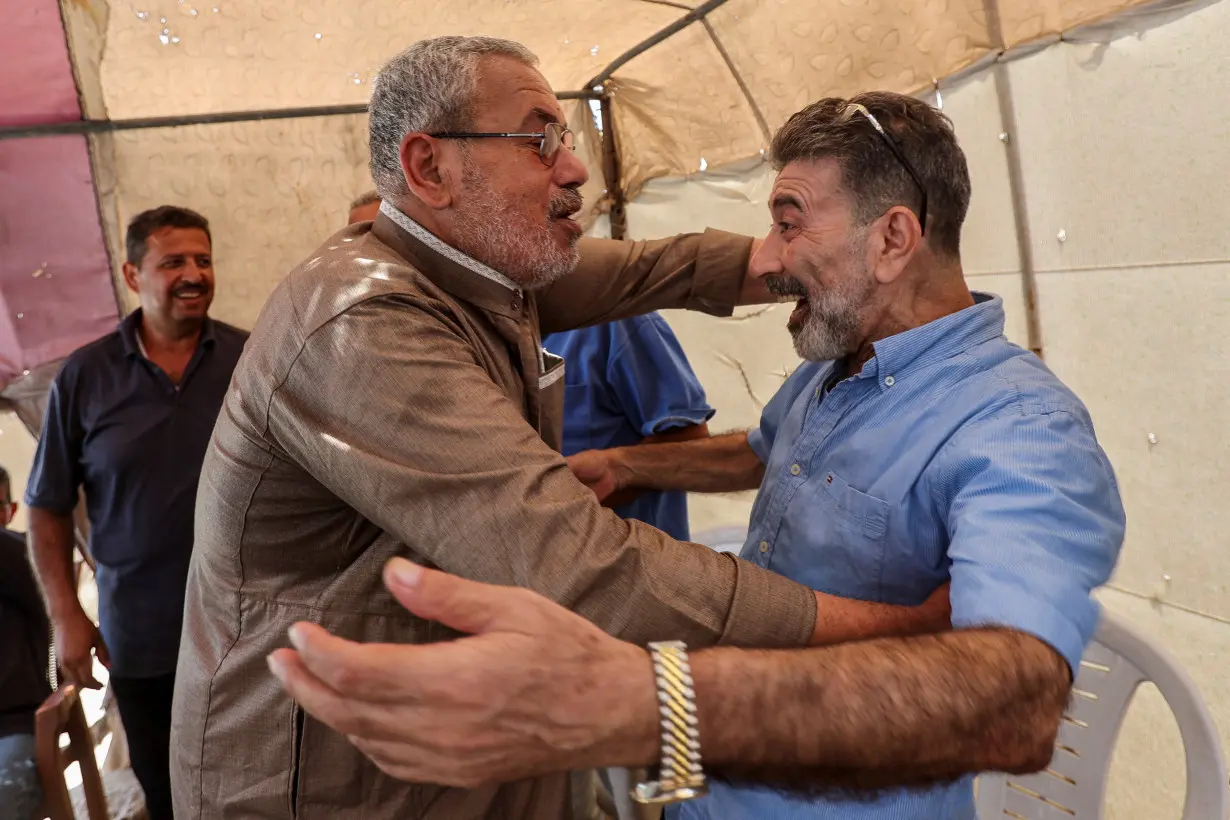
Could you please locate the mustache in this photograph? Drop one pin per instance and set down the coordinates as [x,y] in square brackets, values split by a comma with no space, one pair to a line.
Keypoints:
[190,289]
[566,203]
[785,286]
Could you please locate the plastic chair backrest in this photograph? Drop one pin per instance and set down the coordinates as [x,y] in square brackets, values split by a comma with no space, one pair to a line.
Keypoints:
[61,713]
[1117,661]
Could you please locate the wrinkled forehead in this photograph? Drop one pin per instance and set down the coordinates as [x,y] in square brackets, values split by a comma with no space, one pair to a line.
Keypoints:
[513,96]
[808,186]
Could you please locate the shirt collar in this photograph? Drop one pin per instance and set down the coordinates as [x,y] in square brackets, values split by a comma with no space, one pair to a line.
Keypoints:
[132,339]
[936,341]
[459,274]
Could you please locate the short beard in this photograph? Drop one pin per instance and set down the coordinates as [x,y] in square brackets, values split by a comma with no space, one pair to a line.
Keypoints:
[833,326]
[492,231]
[834,323]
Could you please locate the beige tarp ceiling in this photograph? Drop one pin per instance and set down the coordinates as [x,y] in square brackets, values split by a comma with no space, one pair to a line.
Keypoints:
[712,91]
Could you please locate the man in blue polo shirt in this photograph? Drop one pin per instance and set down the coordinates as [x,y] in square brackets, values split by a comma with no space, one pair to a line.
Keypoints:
[129,418]
[629,382]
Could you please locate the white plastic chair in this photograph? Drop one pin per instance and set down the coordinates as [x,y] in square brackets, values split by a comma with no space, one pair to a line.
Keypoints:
[1117,661]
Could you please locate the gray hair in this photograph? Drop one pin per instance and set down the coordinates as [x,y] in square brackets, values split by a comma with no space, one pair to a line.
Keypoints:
[429,87]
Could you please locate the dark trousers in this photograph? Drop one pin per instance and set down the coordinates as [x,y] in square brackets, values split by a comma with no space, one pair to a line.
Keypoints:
[145,709]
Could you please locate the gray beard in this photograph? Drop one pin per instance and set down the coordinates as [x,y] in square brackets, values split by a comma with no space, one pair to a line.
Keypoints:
[830,332]
[835,321]
[489,230]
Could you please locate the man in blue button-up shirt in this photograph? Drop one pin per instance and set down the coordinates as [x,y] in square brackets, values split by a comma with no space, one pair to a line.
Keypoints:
[915,444]
[128,419]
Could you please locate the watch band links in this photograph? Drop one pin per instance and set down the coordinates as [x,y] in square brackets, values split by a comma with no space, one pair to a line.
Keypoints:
[680,776]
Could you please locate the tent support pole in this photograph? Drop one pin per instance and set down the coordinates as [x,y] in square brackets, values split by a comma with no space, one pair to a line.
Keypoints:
[611,175]
[215,118]
[1016,183]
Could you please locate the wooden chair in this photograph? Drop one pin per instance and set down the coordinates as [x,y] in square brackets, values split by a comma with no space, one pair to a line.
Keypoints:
[62,713]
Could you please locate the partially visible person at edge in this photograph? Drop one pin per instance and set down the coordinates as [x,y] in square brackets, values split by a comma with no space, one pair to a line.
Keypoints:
[128,418]
[629,382]
[364,208]
[625,382]
[25,638]
[915,443]
[395,399]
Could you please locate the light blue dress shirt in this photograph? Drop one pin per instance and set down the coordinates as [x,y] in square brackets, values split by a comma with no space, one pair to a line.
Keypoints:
[953,454]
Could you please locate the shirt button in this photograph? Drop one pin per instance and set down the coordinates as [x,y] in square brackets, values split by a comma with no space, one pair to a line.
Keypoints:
[889,381]
[795,469]
[829,479]
[516,303]
[764,546]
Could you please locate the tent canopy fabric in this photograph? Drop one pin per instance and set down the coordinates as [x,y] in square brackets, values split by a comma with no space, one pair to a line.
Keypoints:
[710,93]
[716,89]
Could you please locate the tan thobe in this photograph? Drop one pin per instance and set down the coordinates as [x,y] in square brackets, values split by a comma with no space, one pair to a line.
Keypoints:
[394,399]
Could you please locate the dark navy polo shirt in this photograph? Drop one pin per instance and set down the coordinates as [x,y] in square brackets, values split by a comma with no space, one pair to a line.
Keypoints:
[119,427]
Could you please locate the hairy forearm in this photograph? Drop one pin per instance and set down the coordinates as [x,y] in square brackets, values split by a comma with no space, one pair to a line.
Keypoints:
[51,552]
[717,464]
[689,433]
[889,712]
[841,620]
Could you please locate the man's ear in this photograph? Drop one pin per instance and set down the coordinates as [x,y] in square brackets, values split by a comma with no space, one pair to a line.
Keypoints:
[130,276]
[426,168]
[900,239]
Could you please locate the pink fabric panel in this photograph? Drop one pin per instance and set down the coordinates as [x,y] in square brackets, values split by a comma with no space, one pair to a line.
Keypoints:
[55,278]
[36,79]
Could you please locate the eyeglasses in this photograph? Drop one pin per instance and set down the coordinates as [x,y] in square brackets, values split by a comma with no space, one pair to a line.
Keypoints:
[553,137]
[850,111]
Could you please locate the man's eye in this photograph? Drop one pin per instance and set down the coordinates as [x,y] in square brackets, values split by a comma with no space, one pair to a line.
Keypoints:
[784,227]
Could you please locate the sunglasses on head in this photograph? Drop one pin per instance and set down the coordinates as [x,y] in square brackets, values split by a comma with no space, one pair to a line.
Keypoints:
[857,108]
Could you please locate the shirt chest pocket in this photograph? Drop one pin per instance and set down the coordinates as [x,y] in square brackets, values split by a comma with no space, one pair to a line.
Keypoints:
[858,514]
[835,538]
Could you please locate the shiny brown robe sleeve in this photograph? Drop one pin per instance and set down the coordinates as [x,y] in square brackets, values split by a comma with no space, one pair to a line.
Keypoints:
[617,279]
[390,408]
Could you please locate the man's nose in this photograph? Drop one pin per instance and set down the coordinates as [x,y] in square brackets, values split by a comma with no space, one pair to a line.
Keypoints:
[569,170]
[766,257]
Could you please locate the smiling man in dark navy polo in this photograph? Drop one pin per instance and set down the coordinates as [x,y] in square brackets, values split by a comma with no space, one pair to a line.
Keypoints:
[129,418]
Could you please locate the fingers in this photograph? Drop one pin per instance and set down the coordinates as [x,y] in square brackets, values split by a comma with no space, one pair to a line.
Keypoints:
[81,673]
[310,692]
[360,670]
[467,606]
[347,714]
[100,649]
[421,762]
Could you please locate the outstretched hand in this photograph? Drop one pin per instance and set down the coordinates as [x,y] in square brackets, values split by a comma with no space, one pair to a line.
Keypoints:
[533,689]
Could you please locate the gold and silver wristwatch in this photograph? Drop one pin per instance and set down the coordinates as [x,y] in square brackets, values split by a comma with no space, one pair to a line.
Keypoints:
[680,776]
